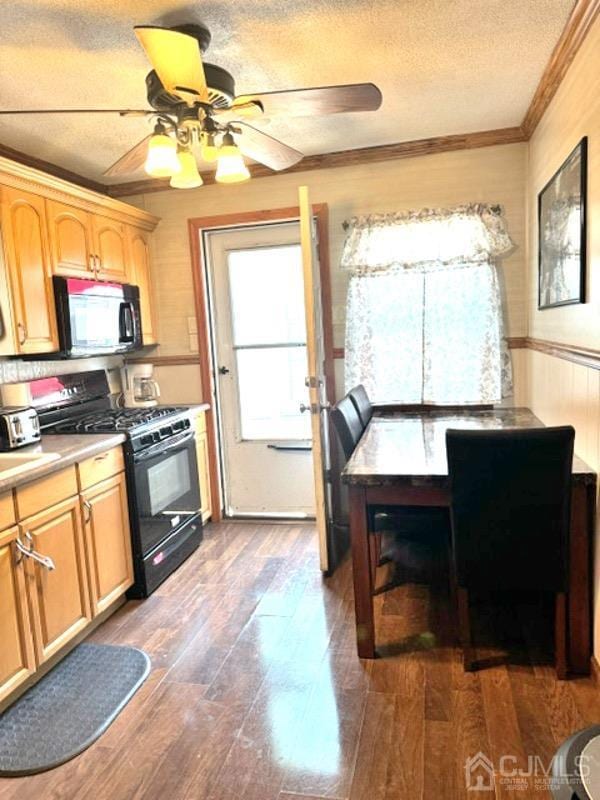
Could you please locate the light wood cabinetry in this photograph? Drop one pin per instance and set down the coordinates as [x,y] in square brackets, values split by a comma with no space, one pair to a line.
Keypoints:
[50,227]
[139,251]
[74,527]
[17,661]
[30,299]
[71,240]
[59,598]
[110,239]
[108,541]
[203,467]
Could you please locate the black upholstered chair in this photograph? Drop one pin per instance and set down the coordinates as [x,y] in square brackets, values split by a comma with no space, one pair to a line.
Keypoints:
[362,404]
[348,425]
[510,511]
[388,524]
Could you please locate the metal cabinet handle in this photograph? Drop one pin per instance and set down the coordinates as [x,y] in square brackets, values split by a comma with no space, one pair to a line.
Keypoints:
[29,552]
[102,456]
[22,332]
[88,507]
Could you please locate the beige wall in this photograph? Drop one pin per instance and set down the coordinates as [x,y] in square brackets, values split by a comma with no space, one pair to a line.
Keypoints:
[493,174]
[558,391]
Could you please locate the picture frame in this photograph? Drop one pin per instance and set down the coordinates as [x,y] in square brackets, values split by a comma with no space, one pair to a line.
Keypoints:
[562,233]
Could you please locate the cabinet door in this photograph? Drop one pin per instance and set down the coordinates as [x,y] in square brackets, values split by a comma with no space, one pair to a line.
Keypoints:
[139,252]
[110,240]
[17,660]
[203,468]
[108,541]
[28,255]
[59,599]
[70,240]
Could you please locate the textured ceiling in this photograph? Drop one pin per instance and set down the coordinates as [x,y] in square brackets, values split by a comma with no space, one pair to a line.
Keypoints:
[444,66]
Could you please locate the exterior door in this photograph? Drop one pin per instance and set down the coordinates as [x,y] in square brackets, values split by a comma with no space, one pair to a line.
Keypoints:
[260,343]
[316,381]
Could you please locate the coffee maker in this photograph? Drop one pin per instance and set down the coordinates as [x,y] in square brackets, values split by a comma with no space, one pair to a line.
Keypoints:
[140,390]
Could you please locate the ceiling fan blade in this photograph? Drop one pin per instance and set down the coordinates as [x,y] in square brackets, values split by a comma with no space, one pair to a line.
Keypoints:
[131,161]
[123,112]
[242,111]
[177,61]
[318,100]
[264,148]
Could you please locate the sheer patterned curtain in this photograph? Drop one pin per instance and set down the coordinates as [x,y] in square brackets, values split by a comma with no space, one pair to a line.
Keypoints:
[424,317]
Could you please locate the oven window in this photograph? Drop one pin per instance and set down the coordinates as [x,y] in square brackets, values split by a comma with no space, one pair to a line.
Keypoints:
[168,480]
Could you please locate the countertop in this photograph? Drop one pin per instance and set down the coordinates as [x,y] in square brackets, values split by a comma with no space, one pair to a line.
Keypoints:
[410,447]
[70,448]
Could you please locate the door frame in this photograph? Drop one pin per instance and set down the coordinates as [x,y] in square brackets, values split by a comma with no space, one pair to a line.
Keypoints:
[197,227]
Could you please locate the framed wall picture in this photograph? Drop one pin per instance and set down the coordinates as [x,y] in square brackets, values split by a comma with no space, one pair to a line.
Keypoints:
[562,233]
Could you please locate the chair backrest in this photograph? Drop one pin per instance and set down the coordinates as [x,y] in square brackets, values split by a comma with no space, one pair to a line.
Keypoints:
[510,506]
[362,404]
[347,425]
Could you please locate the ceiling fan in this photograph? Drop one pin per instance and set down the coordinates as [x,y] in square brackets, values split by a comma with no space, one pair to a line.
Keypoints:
[194,108]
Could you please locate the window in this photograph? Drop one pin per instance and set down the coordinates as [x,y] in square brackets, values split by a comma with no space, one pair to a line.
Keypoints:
[269,340]
[424,315]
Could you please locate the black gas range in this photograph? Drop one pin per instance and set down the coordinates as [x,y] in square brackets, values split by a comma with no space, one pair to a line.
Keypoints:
[160,461]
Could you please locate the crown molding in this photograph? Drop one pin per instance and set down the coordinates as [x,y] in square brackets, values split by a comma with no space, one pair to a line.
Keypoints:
[37,179]
[51,169]
[581,19]
[346,158]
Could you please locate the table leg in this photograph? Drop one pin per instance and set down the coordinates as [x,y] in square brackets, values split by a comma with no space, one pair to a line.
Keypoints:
[361,568]
[579,596]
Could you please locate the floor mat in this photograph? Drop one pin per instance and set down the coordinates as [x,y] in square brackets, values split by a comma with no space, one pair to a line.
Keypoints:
[69,708]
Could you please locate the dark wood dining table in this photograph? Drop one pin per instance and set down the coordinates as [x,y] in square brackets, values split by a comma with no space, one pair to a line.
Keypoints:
[400,460]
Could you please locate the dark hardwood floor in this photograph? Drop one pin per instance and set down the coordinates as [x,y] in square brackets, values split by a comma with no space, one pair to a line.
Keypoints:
[256,691]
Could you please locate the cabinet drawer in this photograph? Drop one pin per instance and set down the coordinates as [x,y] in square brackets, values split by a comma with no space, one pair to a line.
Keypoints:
[99,467]
[46,492]
[7,511]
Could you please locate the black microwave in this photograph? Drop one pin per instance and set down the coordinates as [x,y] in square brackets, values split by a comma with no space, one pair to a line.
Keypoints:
[96,318]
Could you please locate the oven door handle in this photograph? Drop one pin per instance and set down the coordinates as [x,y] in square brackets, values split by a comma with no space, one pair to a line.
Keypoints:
[162,447]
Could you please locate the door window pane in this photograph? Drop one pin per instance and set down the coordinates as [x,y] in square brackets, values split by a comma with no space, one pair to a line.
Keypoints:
[271,388]
[267,295]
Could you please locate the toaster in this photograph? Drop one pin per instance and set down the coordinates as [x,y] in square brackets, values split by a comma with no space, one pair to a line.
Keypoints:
[19,426]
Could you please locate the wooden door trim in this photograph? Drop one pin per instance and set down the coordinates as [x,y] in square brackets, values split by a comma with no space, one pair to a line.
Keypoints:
[200,225]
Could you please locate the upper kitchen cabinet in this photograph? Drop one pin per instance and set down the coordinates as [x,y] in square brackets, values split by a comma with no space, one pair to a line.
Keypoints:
[71,240]
[139,251]
[29,318]
[110,240]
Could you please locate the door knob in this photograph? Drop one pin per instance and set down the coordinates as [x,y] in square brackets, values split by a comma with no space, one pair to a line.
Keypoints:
[304,408]
[223,371]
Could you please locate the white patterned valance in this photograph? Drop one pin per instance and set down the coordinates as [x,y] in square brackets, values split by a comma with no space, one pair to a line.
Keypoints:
[425,240]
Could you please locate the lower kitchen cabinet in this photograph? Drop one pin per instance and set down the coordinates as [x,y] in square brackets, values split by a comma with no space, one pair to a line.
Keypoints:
[203,467]
[59,598]
[17,661]
[108,541]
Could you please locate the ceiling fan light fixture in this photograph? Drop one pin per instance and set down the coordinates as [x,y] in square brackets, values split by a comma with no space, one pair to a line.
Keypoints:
[162,160]
[209,151]
[230,164]
[188,177]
